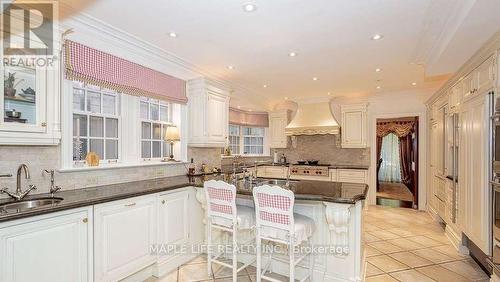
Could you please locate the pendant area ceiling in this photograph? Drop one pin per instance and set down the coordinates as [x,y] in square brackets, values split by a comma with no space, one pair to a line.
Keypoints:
[423,40]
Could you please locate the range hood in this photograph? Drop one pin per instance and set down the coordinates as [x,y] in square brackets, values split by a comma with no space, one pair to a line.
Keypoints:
[313,119]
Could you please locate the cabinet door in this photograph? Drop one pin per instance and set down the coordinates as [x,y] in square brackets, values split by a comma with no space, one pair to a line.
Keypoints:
[468,86]
[484,76]
[277,125]
[47,248]
[354,127]
[124,232]
[174,221]
[217,117]
[477,176]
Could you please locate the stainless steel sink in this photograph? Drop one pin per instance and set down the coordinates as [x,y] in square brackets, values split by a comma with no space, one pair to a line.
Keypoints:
[28,204]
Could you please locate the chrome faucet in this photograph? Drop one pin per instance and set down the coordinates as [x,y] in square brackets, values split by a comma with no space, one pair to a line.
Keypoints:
[53,188]
[20,194]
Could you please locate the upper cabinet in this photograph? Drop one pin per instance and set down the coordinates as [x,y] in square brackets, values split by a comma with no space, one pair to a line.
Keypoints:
[278,121]
[455,97]
[353,126]
[208,114]
[30,102]
[480,79]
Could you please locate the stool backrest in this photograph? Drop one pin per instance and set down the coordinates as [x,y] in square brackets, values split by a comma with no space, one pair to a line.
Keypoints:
[274,207]
[221,199]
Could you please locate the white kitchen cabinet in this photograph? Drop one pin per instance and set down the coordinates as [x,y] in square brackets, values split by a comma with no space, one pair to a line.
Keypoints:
[36,95]
[124,232]
[353,127]
[173,221]
[455,97]
[208,114]
[473,154]
[278,121]
[352,175]
[50,248]
[480,80]
[272,171]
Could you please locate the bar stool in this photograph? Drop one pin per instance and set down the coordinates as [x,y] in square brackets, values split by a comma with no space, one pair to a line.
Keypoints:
[223,214]
[277,223]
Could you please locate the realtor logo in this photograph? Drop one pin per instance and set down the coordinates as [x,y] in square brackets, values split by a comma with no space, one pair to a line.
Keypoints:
[28,28]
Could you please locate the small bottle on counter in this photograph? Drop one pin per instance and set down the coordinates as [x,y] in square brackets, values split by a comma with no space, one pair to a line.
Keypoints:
[283,159]
[275,158]
[192,167]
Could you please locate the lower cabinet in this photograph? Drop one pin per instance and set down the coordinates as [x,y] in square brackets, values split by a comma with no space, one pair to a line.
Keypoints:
[124,232]
[49,248]
[352,175]
[174,221]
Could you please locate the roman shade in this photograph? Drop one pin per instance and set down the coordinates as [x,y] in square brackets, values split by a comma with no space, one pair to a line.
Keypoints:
[245,118]
[95,67]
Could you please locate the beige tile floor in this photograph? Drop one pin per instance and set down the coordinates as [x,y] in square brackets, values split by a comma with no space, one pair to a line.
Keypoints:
[401,245]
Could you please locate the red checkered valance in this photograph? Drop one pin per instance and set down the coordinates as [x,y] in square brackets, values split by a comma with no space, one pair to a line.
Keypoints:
[92,66]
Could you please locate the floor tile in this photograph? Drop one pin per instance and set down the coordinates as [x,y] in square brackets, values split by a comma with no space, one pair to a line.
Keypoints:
[385,247]
[405,244]
[450,250]
[372,270]
[466,268]
[386,263]
[402,232]
[368,238]
[380,278]
[171,277]
[433,255]
[441,274]
[410,259]
[411,276]
[371,251]
[424,241]
[370,227]
[198,259]
[245,278]
[384,235]
[196,272]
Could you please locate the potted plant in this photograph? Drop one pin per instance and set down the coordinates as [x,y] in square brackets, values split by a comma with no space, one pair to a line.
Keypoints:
[10,84]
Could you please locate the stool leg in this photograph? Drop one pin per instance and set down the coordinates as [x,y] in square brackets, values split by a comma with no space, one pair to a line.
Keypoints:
[259,255]
[235,261]
[311,263]
[209,248]
[292,260]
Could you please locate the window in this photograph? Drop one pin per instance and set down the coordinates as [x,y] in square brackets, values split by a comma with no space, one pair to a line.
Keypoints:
[155,117]
[246,140]
[96,119]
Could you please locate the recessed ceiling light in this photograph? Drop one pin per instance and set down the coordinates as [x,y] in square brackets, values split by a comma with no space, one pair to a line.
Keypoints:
[378,87]
[292,54]
[249,110]
[315,78]
[378,70]
[413,83]
[265,85]
[172,34]
[286,98]
[230,67]
[249,7]
[377,36]
[239,107]
[329,93]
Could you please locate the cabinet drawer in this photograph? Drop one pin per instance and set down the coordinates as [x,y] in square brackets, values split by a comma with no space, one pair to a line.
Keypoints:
[441,208]
[334,175]
[351,175]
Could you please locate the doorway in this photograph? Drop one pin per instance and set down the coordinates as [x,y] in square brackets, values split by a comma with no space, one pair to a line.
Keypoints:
[397,162]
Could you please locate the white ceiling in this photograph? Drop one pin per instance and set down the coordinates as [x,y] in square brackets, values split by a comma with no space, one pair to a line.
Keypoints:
[331,38]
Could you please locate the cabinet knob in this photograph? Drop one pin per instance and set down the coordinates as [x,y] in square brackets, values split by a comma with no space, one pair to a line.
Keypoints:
[163,202]
[44,124]
[85,220]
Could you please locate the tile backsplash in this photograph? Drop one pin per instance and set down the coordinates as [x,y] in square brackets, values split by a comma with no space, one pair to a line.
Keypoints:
[39,158]
[323,148]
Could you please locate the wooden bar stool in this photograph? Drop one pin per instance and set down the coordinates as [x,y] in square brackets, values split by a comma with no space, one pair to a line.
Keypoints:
[277,223]
[223,214]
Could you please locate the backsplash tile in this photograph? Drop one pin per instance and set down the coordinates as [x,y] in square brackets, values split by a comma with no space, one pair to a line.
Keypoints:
[324,148]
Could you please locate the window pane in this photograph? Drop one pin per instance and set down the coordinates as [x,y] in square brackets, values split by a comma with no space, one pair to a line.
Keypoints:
[144,110]
[164,113]
[78,84]
[97,146]
[146,149]
[78,99]
[96,127]
[146,130]
[157,131]
[109,104]
[111,127]
[234,130]
[166,148]
[79,150]
[93,102]
[246,150]
[155,111]
[83,125]
[156,149]
[111,149]
[247,131]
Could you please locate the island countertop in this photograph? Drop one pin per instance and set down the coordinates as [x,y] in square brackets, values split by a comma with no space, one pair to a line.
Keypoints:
[336,192]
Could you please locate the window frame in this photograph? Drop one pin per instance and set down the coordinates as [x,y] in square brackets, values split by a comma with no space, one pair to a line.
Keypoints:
[88,114]
[163,124]
[265,146]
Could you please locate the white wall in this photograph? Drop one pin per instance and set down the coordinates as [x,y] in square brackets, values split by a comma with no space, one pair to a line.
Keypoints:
[393,105]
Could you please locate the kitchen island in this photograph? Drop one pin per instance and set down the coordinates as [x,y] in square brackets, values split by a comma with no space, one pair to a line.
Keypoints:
[336,209]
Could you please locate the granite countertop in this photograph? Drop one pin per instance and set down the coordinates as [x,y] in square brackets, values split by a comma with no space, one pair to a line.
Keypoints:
[304,190]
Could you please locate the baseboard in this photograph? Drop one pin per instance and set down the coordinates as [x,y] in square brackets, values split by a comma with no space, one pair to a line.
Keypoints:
[164,267]
[456,240]
[140,275]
